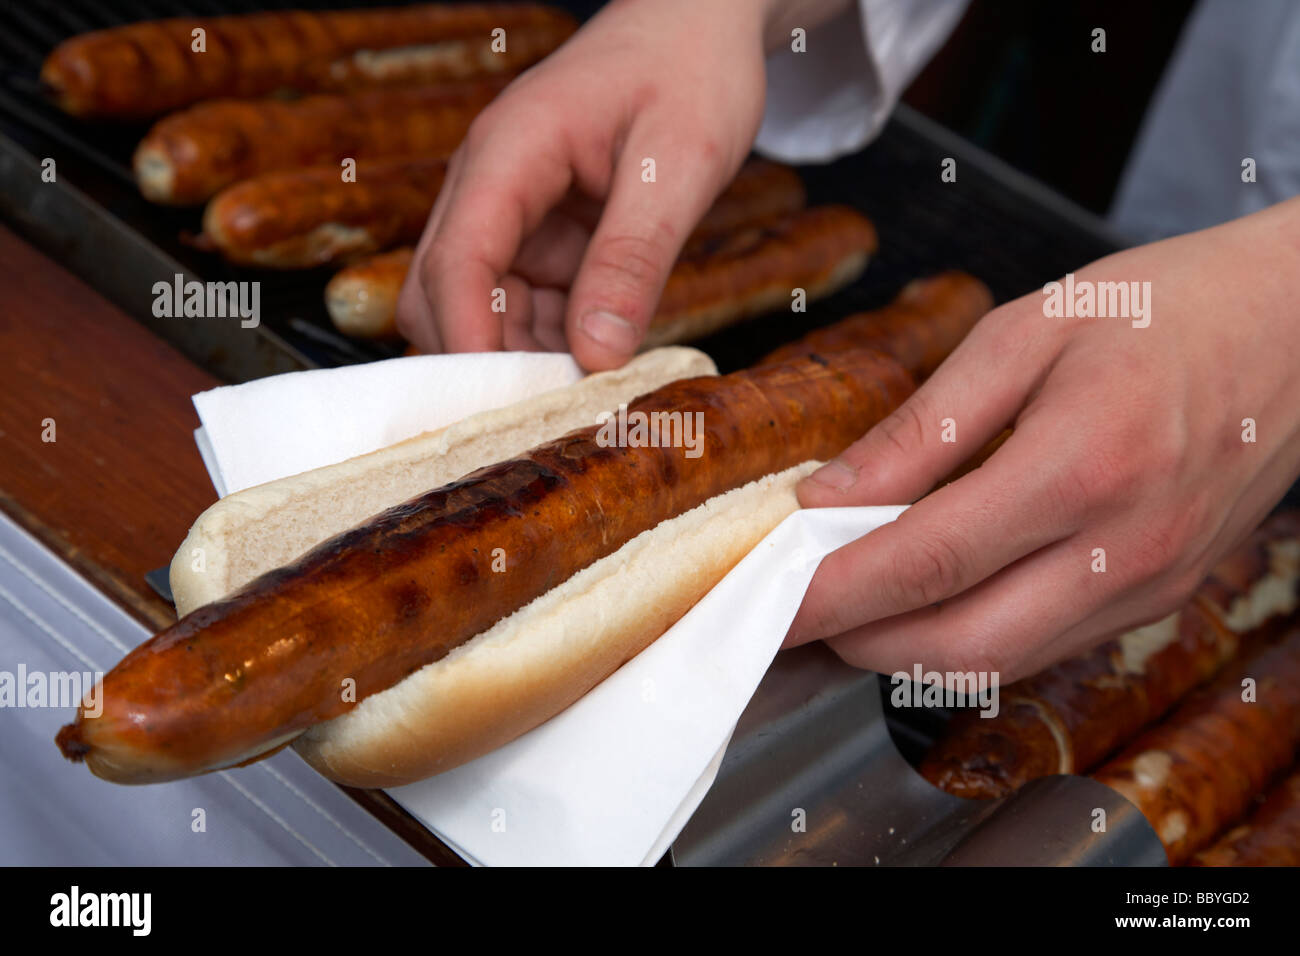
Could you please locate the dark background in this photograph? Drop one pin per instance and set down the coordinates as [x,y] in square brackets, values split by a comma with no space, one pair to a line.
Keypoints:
[1019,78]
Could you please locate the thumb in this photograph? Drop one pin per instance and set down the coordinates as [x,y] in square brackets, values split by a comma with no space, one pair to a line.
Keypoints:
[657,196]
[942,425]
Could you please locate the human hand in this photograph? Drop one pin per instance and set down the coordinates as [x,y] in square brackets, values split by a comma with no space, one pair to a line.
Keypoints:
[1126,439]
[676,82]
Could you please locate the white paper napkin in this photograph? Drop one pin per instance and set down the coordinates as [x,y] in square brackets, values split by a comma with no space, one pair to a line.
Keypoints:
[613,779]
[285,424]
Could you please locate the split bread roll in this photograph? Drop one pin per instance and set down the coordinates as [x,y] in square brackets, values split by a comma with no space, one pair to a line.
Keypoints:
[533,663]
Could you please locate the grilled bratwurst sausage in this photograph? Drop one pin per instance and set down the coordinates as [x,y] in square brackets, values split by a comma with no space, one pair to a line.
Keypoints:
[310,217]
[920,327]
[760,191]
[190,156]
[362,298]
[756,270]
[237,678]
[819,250]
[290,219]
[145,69]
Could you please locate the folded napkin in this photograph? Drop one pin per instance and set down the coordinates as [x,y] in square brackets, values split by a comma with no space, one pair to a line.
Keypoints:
[279,426]
[613,779]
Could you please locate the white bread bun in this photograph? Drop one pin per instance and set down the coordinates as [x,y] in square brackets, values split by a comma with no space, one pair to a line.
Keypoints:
[537,661]
[252,531]
[533,664]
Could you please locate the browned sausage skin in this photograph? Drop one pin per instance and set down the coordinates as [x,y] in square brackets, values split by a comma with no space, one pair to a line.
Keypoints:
[144,69]
[311,217]
[239,677]
[189,156]
[756,270]
[924,323]
[1268,837]
[301,218]
[1197,771]
[728,280]
[1069,717]
[760,191]
[362,298]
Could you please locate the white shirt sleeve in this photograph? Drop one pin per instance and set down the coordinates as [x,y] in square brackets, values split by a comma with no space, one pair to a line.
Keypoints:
[834,98]
[1231,92]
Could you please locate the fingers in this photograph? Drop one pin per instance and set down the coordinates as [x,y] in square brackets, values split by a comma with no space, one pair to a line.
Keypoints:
[1011,625]
[517,321]
[509,177]
[660,190]
[535,322]
[533,319]
[415,317]
[415,320]
[548,319]
[551,255]
[964,404]
[948,542]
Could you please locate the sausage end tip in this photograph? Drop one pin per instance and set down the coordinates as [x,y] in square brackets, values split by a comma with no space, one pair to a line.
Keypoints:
[71,743]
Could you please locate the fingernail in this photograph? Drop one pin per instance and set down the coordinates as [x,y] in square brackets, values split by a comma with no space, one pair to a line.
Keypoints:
[611,331]
[835,474]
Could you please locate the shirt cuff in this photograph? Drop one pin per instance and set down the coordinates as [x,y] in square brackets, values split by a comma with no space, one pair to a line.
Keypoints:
[835,97]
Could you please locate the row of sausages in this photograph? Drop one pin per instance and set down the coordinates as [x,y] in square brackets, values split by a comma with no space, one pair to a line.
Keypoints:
[145,69]
[1225,669]
[391,94]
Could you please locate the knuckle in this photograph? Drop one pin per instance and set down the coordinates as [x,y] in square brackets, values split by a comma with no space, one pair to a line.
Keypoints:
[992,647]
[1075,488]
[931,568]
[635,261]
[1005,331]
[903,430]
[1113,470]
[436,262]
[1164,456]
[853,653]
[646,94]
[1171,549]
[1158,546]
[976,655]
[430,271]
[712,155]
[968,649]
[1104,475]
